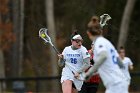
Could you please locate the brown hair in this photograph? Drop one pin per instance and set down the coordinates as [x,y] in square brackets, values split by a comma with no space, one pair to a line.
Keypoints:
[75,32]
[94,26]
[121,48]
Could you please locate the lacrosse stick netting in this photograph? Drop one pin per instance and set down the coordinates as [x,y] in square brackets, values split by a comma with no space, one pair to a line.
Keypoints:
[103,19]
[43,33]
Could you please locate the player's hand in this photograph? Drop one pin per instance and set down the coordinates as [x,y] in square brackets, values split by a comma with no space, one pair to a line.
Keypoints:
[84,77]
[81,76]
[60,56]
[61,61]
[76,75]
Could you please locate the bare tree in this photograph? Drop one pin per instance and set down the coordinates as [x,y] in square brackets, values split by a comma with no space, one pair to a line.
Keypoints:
[52,33]
[21,34]
[2,69]
[16,30]
[125,22]
[18,27]
[5,27]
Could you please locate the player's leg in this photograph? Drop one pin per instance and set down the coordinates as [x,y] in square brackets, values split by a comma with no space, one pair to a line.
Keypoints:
[92,87]
[67,86]
[92,90]
[74,90]
[84,88]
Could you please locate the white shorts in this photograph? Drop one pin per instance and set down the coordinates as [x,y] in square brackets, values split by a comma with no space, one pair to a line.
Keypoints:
[68,75]
[121,87]
[128,81]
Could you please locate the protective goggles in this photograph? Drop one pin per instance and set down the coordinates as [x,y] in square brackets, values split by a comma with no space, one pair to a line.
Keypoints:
[78,40]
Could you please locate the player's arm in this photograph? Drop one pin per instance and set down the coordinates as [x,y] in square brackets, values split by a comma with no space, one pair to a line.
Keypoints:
[61,61]
[120,63]
[131,67]
[85,66]
[102,56]
[86,62]
[119,60]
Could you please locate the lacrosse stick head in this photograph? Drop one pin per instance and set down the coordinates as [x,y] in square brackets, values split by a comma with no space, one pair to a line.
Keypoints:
[103,19]
[43,33]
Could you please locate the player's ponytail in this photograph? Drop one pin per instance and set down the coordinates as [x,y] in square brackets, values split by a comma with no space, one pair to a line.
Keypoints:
[94,26]
[94,21]
[75,35]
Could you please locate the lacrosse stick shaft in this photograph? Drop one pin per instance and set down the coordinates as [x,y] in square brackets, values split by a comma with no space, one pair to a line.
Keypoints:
[56,49]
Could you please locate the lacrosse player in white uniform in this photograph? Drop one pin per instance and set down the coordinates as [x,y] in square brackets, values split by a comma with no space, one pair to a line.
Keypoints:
[75,59]
[128,65]
[106,61]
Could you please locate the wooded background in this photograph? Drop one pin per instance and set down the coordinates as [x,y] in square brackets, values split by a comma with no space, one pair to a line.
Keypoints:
[24,54]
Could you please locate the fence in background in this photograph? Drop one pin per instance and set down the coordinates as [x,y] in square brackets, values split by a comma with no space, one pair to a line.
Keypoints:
[34,84]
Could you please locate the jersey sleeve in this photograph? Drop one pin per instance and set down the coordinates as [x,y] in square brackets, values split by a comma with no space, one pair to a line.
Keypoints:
[130,62]
[85,53]
[64,53]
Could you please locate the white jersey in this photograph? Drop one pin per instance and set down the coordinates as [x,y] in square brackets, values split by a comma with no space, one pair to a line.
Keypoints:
[74,58]
[73,62]
[127,62]
[109,71]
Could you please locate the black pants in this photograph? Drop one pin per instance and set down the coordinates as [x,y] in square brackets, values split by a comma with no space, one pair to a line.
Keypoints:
[89,88]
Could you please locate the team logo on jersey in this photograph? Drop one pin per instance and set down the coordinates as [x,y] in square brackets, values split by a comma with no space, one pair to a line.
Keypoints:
[87,53]
[100,46]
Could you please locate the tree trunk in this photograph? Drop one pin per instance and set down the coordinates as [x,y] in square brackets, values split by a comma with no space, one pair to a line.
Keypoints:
[21,34]
[2,70]
[2,64]
[15,47]
[52,33]
[125,22]
[18,25]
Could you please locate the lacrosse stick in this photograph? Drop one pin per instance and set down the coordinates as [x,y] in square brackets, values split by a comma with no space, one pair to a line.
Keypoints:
[43,33]
[103,19]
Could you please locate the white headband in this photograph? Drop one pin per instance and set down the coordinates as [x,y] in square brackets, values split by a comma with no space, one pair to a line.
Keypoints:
[76,37]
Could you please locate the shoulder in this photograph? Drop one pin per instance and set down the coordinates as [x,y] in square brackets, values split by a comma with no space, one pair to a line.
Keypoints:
[100,41]
[67,48]
[84,52]
[127,58]
[82,47]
